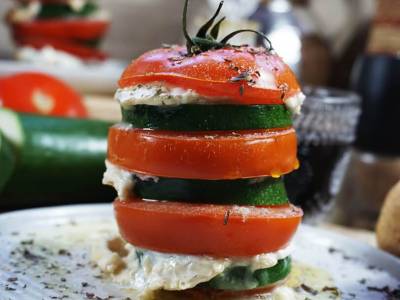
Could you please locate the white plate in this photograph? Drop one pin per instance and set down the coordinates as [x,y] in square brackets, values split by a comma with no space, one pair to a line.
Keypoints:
[355,267]
[92,78]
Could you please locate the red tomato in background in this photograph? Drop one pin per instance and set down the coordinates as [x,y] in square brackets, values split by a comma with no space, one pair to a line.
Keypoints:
[39,93]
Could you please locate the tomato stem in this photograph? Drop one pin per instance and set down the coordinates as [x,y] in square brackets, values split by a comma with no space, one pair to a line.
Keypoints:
[202,33]
[204,41]
[189,42]
[232,34]
[215,30]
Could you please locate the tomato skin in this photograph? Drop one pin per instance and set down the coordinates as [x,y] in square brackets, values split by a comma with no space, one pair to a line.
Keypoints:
[64,35]
[199,229]
[40,94]
[210,73]
[71,29]
[204,155]
[66,45]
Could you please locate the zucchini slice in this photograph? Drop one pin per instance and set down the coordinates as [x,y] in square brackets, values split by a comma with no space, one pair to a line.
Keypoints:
[243,278]
[60,10]
[260,191]
[195,117]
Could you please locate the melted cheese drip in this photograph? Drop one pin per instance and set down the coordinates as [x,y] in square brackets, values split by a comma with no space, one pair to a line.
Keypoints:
[295,102]
[122,180]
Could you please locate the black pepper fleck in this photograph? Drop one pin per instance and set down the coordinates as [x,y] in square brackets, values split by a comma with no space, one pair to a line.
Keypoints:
[12,279]
[309,289]
[226,217]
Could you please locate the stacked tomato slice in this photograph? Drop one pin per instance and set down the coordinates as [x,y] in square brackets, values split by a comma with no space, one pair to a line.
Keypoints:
[59,25]
[214,189]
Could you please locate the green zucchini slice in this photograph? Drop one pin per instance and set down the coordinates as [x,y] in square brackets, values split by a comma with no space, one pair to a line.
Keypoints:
[196,117]
[60,10]
[243,278]
[261,191]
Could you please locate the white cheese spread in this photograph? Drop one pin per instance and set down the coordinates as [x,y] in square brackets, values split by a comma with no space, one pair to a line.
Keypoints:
[147,270]
[159,94]
[123,181]
[48,56]
[120,179]
[156,94]
[295,102]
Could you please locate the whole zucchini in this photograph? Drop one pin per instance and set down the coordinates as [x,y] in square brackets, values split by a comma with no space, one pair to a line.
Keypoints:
[57,159]
[7,161]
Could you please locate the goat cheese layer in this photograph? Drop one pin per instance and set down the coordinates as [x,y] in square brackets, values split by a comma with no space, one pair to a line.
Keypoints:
[160,94]
[147,270]
[122,180]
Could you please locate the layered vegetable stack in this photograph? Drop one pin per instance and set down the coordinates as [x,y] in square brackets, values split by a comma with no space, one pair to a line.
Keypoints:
[198,163]
[72,26]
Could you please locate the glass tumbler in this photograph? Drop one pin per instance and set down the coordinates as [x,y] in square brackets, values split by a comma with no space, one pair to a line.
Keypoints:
[325,129]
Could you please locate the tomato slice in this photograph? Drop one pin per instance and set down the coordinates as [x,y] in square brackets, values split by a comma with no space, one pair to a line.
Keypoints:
[214,73]
[73,29]
[66,45]
[40,94]
[204,155]
[199,229]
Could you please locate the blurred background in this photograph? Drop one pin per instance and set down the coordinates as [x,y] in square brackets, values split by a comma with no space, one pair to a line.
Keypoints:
[345,53]
[323,36]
